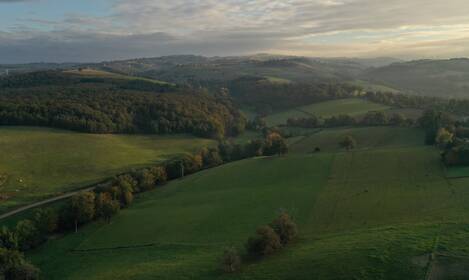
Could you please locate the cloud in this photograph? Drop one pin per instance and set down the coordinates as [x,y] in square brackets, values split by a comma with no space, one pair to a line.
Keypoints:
[136,28]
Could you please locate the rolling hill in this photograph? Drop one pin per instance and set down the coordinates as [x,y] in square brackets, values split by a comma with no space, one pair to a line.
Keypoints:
[334,196]
[39,162]
[441,78]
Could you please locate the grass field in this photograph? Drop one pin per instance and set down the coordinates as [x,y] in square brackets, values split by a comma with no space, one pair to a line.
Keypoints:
[40,162]
[88,72]
[375,213]
[350,106]
[366,137]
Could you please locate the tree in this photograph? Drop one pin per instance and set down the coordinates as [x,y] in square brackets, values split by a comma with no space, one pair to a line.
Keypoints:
[106,207]
[8,238]
[46,220]
[285,228]
[443,137]
[160,174]
[14,267]
[374,118]
[211,157]
[398,119]
[275,145]
[348,143]
[28,234]
[255,148]
[146,180]
[82,208]
[266,242]
[231,260]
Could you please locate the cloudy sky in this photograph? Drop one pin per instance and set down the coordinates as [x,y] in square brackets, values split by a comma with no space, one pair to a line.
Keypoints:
[96,30]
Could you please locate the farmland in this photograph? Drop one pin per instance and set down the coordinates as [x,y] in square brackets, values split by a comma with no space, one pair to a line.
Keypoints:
[350,106]
[38,162]
[373,213]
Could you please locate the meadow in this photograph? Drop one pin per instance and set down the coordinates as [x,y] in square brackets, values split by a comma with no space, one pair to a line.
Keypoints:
[349,106]
[379,212]
[39,162]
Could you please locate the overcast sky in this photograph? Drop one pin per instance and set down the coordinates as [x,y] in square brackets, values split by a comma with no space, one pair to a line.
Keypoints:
[96,30]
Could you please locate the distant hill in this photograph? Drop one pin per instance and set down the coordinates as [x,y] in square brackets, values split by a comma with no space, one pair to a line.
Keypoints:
[199,70]
[442,78]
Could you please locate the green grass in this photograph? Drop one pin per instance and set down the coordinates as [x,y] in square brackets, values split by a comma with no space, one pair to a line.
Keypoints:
[349,106]
[366,137]
[88,72]
[457,171]
[368,86]
[40,162]
[373,213]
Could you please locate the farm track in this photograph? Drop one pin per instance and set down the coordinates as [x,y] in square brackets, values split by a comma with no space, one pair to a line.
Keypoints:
[43,202]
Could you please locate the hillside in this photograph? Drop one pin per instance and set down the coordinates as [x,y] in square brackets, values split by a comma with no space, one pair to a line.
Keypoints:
[39,162]
[333,196]
[348,106]
[441,78]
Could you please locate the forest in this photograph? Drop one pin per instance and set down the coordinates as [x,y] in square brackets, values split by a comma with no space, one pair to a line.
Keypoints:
[100,105]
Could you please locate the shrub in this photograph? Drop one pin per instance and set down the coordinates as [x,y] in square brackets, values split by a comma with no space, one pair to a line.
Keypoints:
[266,242]
[285,228]
[231,260]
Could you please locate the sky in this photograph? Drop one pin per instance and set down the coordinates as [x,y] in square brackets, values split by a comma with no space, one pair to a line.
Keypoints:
[99,30]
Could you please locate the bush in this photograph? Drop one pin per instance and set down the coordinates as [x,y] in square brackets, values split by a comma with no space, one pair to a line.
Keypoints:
[285,228]
[231,261]
[266,242]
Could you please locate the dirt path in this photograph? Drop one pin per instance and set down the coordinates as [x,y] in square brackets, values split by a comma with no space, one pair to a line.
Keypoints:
[43,202]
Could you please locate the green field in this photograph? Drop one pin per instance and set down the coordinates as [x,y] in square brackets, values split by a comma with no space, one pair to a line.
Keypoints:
[366,137]
[88,72]
[375,213]
[39,162]
[350,106]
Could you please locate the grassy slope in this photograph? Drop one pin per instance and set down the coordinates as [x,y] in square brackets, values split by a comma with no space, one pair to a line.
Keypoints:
[367,137]
[104,74]
[368,214]
[40,162]
[350,106]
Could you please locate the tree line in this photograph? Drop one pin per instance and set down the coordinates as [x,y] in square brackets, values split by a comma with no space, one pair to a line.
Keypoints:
[110,197]
[371,118]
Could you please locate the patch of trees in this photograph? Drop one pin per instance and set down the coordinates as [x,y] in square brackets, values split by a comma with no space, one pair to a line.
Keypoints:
[372,118]
[455,106]
[103,108]
[449,135]
[266,96]
[268,240]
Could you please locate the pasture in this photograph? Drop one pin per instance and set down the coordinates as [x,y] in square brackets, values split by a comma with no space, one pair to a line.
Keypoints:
[39,162]
[349,106]
[378,212]
[366,137]
[89,72]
